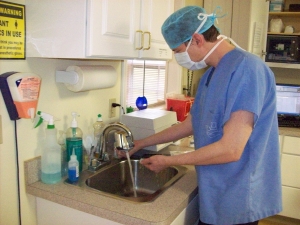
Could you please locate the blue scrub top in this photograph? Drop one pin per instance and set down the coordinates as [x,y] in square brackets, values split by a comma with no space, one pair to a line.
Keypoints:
[249,189]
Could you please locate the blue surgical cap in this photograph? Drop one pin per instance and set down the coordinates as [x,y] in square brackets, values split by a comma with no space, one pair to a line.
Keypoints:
[182,24]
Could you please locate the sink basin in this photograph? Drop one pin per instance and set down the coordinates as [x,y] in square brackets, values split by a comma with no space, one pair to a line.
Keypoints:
[115,181]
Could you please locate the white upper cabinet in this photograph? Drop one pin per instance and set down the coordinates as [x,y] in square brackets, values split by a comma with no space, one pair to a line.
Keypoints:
[111,29]
[128,28]
[154,13]
[111,25]
[55,29]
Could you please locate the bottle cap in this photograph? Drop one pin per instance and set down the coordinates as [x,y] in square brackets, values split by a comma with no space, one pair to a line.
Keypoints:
[47,117]
[73,156]
[74,122]
[99,117]
[50,123]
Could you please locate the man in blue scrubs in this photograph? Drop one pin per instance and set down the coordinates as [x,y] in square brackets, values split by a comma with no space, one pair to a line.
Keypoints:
[233,120]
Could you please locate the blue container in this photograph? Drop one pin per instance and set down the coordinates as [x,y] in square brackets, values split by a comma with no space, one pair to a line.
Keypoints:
[276,7]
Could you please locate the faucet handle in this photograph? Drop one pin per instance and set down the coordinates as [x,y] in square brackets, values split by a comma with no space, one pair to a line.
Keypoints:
[106,157]
[123,141]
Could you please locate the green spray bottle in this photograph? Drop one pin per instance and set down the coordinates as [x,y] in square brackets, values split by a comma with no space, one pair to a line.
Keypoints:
[51,152]
[74,141]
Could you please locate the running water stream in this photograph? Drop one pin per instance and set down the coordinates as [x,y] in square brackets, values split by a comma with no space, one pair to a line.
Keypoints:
[131,174]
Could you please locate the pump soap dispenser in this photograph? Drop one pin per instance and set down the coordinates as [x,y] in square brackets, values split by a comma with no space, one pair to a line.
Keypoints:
[74,141]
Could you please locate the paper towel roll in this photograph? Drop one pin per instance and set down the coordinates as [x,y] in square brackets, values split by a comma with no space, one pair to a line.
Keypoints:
[92,77]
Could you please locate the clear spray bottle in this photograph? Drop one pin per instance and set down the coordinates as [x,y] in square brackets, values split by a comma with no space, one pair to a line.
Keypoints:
[51,152]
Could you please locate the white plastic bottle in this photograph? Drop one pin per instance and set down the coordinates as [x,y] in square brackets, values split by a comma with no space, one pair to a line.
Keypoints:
[51,154]
[74,141]
[73,168]
[98,126]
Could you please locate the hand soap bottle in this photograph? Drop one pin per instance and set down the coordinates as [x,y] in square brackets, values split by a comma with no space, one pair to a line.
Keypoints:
[51,153]
[73,168]
[74,141]
[98,127]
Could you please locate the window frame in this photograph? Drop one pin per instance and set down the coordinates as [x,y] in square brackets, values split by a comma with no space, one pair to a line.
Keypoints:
[150,64]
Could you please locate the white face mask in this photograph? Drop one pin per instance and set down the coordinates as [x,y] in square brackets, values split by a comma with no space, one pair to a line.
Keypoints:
[184,60]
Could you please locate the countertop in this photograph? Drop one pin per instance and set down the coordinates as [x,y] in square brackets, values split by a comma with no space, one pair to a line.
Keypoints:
[288,131]
[166,207]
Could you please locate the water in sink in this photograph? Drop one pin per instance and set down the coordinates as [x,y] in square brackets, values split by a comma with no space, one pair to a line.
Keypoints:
[131,174]
[115,181]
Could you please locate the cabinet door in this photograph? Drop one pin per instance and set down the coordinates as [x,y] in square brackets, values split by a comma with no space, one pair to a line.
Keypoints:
[291,145]
[250,25]
[49,213]
[111,27]
[154,13]
[290,170]
[55,29]
[224,23]
[291,202]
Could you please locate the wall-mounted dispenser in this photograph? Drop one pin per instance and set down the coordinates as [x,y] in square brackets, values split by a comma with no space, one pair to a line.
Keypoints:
[85,78]
[20,92]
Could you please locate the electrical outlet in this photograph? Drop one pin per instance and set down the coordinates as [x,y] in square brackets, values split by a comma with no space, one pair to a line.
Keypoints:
[112,110]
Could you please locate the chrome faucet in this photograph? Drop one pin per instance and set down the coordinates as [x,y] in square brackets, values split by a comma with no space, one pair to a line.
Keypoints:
[123,142]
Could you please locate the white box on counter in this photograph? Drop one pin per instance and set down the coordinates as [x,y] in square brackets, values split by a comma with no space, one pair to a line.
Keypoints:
[144,123]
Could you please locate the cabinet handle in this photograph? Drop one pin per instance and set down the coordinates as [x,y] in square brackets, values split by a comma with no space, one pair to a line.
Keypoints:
[142,40]
[263,53]
[149,40]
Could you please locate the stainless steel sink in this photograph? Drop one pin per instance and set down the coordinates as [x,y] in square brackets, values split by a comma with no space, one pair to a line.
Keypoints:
[115,181]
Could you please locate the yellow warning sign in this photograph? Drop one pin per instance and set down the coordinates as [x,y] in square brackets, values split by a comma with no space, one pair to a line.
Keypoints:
[12,31]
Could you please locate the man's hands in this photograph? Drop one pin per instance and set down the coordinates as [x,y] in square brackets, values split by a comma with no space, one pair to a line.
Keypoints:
[137,146]
[155,163]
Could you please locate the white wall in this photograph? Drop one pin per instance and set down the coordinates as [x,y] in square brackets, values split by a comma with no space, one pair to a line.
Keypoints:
[55,99]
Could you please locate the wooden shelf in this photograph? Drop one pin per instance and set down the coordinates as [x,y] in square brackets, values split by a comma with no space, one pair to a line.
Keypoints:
[284,34]
[284,65]
[288,19]
[286,14]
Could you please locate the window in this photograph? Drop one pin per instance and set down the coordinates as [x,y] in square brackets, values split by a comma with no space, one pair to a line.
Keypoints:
[152,84]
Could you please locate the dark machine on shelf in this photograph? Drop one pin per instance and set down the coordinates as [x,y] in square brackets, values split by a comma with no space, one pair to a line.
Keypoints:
[283,49]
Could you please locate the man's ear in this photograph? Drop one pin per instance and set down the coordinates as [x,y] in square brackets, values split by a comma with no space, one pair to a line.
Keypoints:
[199,38]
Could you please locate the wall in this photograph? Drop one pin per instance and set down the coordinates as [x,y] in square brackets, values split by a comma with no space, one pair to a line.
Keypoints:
[55,99]
[289,76]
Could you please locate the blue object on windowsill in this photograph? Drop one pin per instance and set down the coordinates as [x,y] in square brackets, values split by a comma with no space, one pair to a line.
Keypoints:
[141,103]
